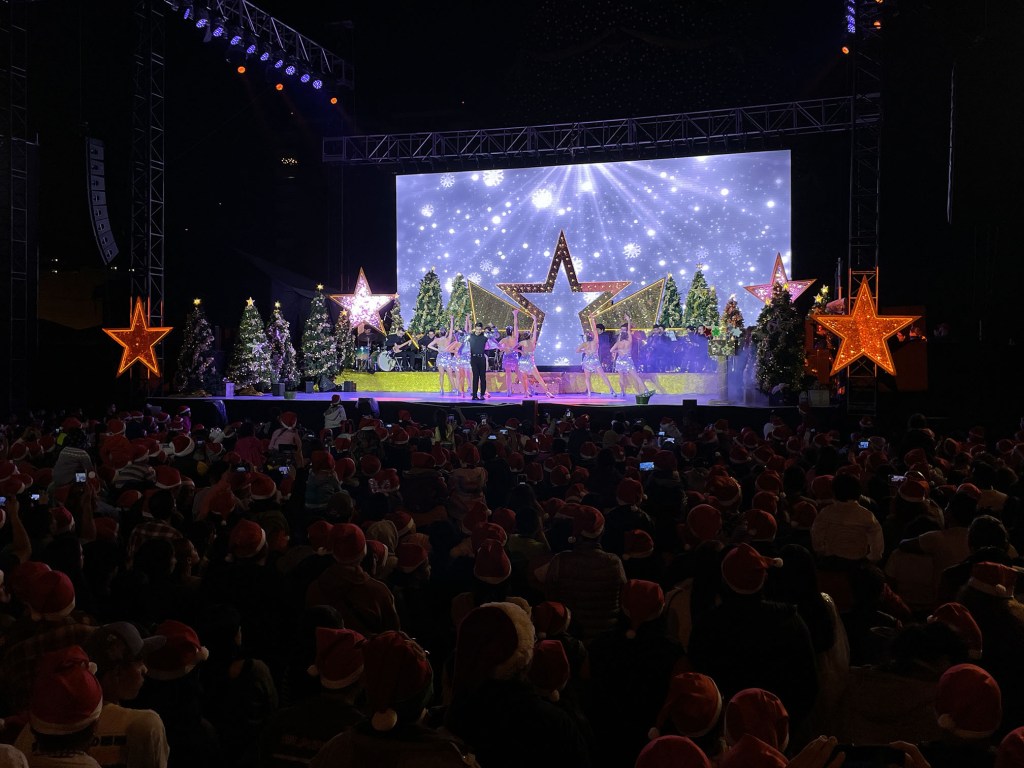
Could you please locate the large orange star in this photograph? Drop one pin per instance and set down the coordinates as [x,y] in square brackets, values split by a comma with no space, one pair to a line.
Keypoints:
[863,332]
[138,341]
[795,287]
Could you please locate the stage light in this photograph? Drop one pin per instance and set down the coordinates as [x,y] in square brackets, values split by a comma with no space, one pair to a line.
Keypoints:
[291,68]
[317,83]
[278,59]
[250,46]
[187,12]
[236,36]
[241,69]
[202,18]
[334,99]
[846,50]
[305,77]
[877,25]
[219,27]
[279,87]
[265,56]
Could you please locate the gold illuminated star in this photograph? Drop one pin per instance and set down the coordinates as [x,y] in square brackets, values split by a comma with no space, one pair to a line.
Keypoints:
[795,287]
[138,341]
[363,305]
[562,259]
[864,332]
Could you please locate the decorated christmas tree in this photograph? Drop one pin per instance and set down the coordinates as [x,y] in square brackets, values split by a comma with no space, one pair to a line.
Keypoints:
[458,302]
[396,323]
[671,311]
[250,364]
[282,351]
[196,371]
[821,301]
[732,318]
[429,313]
[319,355]
[701,307]
[779,336]
[344,342]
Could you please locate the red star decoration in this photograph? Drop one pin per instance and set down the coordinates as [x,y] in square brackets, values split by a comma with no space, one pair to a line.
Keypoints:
[562,260]
[363,305]
[795,287]
[864,332]
[138,341]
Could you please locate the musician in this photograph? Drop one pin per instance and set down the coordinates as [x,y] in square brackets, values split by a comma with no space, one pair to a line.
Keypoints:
[658,349]
[429,353]
[399,346]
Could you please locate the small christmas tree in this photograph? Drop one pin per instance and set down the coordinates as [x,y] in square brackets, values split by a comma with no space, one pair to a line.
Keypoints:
[282,351]
[250,364]
[458,302]
[701,307]
[732,318]
[196,371]
[429,313]
[344,342]
[671,311]
[779,336]
[319,356]
[396,323]
[821,301]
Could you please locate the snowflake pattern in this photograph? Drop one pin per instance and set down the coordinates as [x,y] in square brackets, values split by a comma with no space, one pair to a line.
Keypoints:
[447,180]
[734,249]
[486,265]
[474,278]
[427,210]
[542,198]
[577,264]
[631,251]
[494,177]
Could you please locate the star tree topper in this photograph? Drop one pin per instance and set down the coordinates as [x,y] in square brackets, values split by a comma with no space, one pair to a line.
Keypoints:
[562,260]
[795,287]
[363,305]
[864,332]
[138,341]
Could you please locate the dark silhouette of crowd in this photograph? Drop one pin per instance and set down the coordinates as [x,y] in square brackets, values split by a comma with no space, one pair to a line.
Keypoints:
[583,591]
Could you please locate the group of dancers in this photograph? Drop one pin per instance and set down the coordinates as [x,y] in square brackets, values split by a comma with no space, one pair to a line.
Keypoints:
[516,348]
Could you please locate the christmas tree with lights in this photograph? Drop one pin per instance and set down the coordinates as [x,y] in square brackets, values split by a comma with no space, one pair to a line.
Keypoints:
[671,310]
[344,342]
[250,364]
[282,351]
[396,323]
[429,313]
[732,318]
[779,338]
[196,371]
[458,302]
[319,353]
[701,306]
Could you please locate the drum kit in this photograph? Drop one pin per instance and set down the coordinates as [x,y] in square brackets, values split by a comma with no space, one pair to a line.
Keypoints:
[377,359]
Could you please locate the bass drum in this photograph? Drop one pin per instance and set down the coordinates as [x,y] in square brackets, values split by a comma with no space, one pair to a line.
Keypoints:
[385,361]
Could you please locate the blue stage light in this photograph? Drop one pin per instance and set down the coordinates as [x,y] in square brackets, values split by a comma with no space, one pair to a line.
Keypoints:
[317,83]
[250,49]
[265,56]
[236,38]
[187,14]
[278,59]
[290,70]
[219,28]
[305,77]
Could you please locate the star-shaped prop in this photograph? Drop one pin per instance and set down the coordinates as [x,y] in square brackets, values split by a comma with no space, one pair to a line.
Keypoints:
[864,332]
[364,306]
[562,260]
[138,341]
[795,287]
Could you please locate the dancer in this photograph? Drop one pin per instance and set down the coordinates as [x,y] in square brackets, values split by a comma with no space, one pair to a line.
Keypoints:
[527,363]
[623,360]
[509,347]
[461,359]
[590,349]
[443,363]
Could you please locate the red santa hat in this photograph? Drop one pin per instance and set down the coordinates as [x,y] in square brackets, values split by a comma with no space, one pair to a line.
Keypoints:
[759,713]
[62,519]
[641,601]
[369,465]
[993,579]
[968,702]
[491,564]
[345,468]
[704,522]
[411,556]
[672,752]
[506,518]
[549,671]
[637,544]
[587,523]
[397,680]
[167,477]
[914,491]
[821,488]
[693,704]
[802,514]
[476,515]
[495,642]
[261,486]
[51,596]
[768,502]
[321,461]
[179,655]
[485,532]
[347,543]
[339,657]
[289,419]
[960,620]
[744,570]
[403,522]
[1011,750]
[246,540]
[769,481]
[550,618]
[65,697]
[751,752]
[760,525]
[319,535]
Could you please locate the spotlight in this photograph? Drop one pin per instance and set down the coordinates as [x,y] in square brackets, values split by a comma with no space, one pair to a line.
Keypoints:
[250,45]
[305,77]
[264,55]
[278,59]
[219,27]
[236,37]
[877,25]
[291,68]
[202,18]
[187,12]
[317,83]
[241,69]
[846,50]
[334,99]
[279,87]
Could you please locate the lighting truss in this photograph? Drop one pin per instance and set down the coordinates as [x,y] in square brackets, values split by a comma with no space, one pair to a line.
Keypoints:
[277,35]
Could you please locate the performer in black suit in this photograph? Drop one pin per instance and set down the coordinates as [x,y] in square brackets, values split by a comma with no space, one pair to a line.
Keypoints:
[604,346]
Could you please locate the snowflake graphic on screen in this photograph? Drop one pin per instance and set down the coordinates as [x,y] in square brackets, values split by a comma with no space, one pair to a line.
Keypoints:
[427,210]
[542,198]
[494,177]
[577,264]
[561,361]
[702,254]
[447,180]
[631,251]
[734,249]
[486,265]
[474,277]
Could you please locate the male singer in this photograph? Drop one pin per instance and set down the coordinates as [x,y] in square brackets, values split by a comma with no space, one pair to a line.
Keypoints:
[478,361]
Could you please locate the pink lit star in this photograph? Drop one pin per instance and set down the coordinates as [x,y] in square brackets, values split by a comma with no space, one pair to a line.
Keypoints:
[363,305]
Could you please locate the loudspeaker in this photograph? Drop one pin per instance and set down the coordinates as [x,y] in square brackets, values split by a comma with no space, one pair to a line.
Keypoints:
[96,185]
[348,386]
[367,406]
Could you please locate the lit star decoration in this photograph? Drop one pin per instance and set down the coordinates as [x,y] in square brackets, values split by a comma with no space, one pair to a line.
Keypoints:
[561,259]
[863,332]
[363,305]
[138,341]
[795,287]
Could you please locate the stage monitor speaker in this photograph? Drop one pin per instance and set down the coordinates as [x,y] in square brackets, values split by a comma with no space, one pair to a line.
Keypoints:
[367,406]
[97,189]
[688,403]
[348,386]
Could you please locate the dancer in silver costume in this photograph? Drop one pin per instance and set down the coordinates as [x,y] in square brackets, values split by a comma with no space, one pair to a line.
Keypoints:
[592,358]
[623,360]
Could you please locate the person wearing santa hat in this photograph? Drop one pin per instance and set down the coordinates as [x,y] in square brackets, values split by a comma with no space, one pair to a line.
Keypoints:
[286,437]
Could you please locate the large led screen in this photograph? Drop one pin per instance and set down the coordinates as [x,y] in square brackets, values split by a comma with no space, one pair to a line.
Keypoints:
[634,222]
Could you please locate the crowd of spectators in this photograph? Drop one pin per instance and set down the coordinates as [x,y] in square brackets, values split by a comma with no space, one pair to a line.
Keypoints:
[583,591]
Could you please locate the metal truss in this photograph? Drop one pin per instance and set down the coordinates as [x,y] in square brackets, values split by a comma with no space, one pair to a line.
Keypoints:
[147,227]
[707,131]
[246,17]
[19,265]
